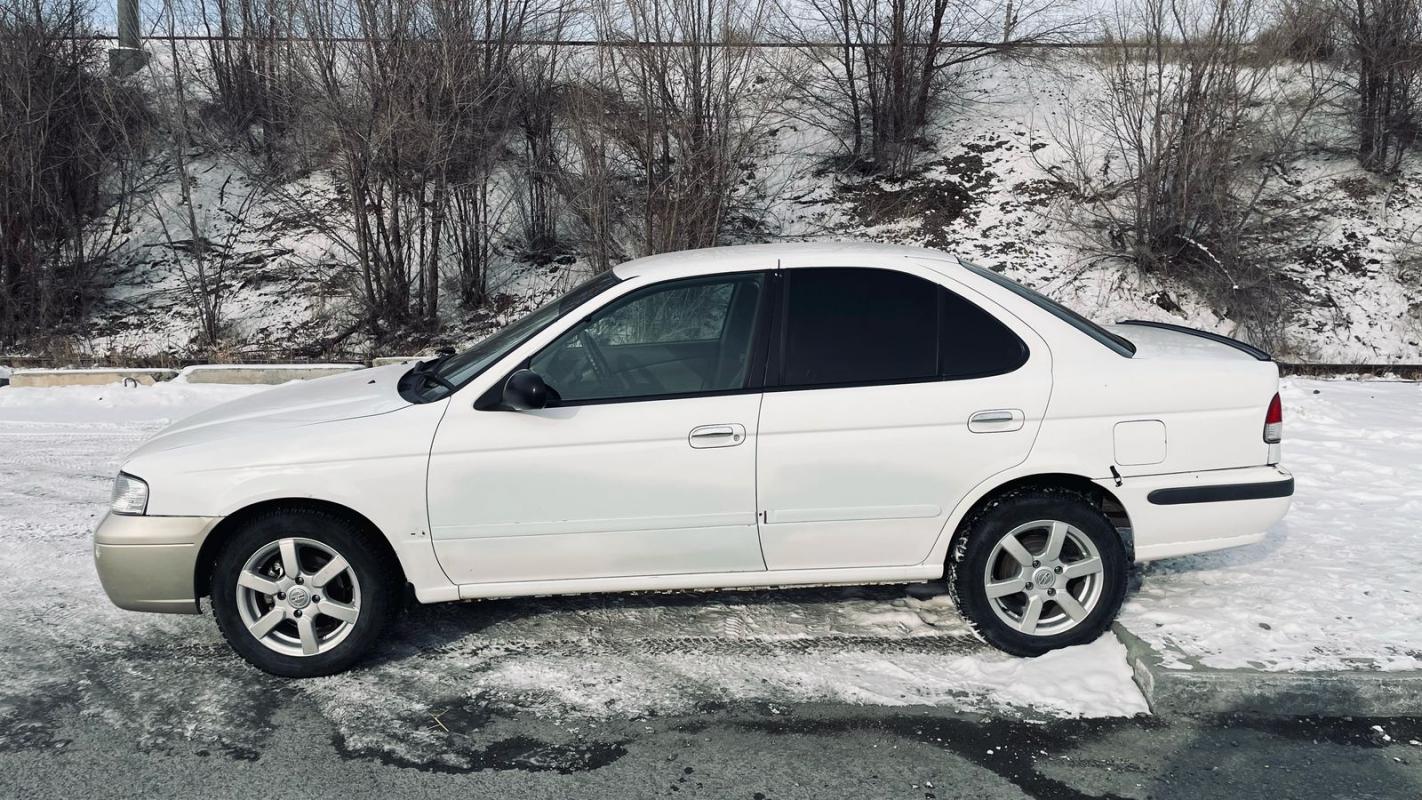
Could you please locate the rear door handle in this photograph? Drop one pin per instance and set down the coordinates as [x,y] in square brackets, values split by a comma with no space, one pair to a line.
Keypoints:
[725,435]
[996,420]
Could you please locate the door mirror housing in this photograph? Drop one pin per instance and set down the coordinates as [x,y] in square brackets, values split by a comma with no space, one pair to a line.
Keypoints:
[524,391]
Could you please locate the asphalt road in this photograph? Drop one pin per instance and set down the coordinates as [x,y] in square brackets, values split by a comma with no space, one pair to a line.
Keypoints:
[759,751]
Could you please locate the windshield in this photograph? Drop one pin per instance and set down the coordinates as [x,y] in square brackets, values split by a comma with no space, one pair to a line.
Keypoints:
[1120,344]
[438,378]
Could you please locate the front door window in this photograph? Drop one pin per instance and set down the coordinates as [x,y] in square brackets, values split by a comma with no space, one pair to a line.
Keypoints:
[684,338]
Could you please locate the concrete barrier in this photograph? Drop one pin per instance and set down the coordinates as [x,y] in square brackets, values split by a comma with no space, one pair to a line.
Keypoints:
[263,373]
[1197,689]
[88,377]
[385,361]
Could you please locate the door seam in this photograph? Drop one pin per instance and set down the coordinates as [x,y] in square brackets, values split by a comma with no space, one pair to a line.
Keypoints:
[755,469]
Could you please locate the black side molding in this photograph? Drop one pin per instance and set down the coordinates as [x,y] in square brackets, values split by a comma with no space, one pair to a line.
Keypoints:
[1219,494]
[1214,337]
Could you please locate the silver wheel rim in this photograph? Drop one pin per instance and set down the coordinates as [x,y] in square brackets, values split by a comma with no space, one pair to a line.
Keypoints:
[1044,578]
[298,597]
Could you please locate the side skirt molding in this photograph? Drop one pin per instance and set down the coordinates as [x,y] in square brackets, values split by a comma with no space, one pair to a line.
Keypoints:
[723,580]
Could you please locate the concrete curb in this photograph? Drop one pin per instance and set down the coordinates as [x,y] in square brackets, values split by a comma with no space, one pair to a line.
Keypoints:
[1207,690]
[99,376]
[270,374]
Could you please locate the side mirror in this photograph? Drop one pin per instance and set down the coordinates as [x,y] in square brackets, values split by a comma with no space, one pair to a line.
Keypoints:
[524,391]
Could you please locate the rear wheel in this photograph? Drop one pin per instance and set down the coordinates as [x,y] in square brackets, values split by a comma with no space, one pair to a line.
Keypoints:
[1039,570]
[301,593]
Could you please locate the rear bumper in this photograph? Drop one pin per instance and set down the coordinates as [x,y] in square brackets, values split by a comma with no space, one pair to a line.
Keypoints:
[1195,512]
[148,563]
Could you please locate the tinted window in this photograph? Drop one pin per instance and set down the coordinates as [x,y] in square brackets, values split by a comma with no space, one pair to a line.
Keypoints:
[974,343]
[680,338]
[844,326]
[1115,341]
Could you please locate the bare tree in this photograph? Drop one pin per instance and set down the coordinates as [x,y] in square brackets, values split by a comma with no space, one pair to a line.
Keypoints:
[1384,40]
[541,100]
[252,74]
[892,61]
[418,98]
[1173,163]
[1303,30]
[663,123]
[69,136]
[595,189]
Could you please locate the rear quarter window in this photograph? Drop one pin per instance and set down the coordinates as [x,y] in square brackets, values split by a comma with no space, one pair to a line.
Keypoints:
[974,343]
[1120,344]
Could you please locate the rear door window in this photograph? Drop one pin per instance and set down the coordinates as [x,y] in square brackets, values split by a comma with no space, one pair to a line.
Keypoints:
[859,326]
[855,326]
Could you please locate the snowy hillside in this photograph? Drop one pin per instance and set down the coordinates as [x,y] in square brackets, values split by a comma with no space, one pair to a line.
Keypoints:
[985,190]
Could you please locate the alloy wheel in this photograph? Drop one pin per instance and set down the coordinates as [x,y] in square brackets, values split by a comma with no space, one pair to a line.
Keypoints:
[298,596]
[1044,578]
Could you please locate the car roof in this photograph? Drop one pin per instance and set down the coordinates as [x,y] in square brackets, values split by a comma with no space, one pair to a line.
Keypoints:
[790,255]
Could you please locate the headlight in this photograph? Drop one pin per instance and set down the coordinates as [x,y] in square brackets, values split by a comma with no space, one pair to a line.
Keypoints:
[130,495]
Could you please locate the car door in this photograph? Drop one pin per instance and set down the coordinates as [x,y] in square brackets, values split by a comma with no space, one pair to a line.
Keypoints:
[643,464]
[889,398]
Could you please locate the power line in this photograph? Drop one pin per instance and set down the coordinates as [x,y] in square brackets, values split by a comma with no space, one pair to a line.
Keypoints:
[620,43]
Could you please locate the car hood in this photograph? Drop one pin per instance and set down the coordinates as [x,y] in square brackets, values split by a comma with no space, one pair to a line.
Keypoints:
[362,393]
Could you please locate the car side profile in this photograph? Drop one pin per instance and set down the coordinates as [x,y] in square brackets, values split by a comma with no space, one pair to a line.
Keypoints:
[774,415]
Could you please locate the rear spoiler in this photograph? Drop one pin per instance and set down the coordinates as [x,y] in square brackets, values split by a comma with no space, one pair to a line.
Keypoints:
[1214,337]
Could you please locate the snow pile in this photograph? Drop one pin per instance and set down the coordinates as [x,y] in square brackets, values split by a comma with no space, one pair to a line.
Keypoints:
[1091,681]
[1329,588]
[111,404]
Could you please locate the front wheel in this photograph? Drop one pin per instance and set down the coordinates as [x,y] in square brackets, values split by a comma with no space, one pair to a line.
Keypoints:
[300,593]
[1038,570]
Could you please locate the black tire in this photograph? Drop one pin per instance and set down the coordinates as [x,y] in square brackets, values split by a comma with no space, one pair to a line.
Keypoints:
[377,579]
[968,565]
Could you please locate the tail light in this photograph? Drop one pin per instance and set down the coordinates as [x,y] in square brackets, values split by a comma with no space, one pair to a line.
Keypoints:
[1274,421]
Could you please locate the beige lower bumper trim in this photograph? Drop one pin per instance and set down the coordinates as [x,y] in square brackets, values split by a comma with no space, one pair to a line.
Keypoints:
[148,563]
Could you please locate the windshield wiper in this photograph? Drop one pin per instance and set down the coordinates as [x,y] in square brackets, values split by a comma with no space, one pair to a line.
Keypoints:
[425,371]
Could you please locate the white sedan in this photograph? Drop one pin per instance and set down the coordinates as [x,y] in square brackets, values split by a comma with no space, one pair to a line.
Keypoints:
[733,417]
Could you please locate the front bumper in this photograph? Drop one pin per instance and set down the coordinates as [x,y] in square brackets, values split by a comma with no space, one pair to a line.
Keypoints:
[149,563]
[1195,512]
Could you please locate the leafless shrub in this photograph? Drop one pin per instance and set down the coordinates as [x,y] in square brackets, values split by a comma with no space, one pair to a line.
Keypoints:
[418,99]
[68,141]
[252,72]
[662,125]
[204,267]
[893,61]
[594,187]
[541,97]
[1302,30]
[1174,164]
[1384,40]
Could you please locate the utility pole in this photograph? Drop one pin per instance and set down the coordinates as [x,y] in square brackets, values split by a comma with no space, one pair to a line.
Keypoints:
[129,56]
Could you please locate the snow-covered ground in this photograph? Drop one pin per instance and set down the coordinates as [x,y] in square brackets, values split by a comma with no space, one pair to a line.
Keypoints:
[1321,593]
[64,650]
[1331,586]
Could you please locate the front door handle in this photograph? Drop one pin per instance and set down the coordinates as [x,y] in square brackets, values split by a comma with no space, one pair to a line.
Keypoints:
[726,435]
[996,420]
